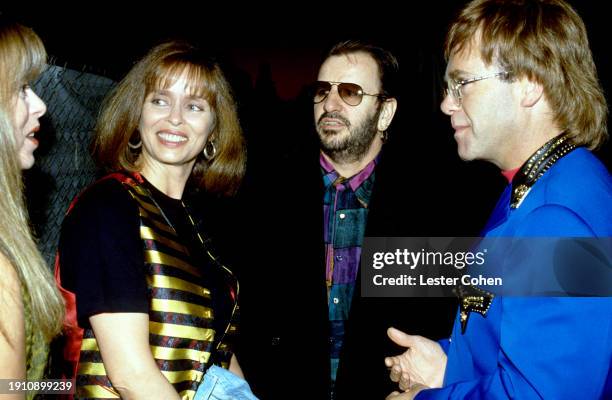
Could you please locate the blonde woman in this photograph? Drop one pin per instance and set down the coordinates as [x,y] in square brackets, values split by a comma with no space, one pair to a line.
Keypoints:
[31,309]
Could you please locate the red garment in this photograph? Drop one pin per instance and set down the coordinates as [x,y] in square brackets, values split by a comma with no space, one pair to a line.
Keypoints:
[509,174]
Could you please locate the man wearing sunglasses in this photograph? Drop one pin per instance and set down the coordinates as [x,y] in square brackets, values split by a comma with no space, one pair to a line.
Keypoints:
[314,334]
[352,111]
[523,94]
[354,104]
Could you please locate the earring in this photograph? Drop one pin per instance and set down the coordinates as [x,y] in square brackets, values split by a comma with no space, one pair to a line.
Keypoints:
[134,146]
[384,136]
[210,150]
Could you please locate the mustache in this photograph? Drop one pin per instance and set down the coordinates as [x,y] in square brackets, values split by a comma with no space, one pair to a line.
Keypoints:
[334,115]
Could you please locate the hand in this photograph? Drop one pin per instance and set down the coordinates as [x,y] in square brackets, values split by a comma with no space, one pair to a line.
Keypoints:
[408,395]
[423,362]
[127,359]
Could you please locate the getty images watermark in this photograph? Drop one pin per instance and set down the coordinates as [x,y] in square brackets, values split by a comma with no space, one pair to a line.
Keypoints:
[434,267]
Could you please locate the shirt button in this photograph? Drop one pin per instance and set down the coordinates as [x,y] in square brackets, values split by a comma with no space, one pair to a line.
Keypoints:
[342,215]
[336,300]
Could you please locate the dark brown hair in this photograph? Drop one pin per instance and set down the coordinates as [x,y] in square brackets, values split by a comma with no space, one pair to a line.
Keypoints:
[388,67]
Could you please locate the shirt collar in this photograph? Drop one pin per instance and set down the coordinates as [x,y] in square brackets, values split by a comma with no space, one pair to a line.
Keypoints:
[330,175]
[509,174]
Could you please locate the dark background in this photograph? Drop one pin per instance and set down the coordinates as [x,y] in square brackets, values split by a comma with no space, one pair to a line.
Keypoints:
[271,53]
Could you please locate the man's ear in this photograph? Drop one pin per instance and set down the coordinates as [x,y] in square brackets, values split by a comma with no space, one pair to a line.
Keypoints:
[386,114]
[531,92]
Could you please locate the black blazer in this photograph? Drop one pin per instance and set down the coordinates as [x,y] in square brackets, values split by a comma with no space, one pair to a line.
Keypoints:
[284,347]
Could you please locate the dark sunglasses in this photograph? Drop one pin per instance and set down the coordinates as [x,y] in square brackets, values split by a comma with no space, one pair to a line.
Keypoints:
[350,93]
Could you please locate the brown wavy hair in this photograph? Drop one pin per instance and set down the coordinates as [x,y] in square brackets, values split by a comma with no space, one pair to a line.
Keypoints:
[545,41]
[159,69]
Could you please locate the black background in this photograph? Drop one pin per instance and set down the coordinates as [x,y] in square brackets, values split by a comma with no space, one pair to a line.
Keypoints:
[271,52]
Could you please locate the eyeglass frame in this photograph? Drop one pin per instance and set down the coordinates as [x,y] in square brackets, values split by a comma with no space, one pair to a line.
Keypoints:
[361,93]
[455,91]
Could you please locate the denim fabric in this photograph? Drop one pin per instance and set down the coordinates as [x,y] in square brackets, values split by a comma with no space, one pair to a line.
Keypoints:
[220,384]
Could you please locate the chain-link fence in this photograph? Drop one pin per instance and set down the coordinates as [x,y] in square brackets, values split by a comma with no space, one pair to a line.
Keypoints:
[63,163]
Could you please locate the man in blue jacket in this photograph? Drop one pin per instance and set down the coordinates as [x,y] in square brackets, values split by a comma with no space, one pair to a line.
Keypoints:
[522,93]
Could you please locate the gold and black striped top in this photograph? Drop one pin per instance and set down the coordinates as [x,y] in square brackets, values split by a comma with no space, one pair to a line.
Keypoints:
[181,331]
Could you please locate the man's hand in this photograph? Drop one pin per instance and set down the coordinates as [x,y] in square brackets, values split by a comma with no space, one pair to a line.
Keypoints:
[423,362]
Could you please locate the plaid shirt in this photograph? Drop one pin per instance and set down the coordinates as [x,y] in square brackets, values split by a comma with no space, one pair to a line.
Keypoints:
[345,212]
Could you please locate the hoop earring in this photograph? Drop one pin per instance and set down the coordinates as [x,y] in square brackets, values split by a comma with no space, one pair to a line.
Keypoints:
[210,150]
[135,146]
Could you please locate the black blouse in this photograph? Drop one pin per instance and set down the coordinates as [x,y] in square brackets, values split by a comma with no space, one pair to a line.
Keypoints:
[102,259]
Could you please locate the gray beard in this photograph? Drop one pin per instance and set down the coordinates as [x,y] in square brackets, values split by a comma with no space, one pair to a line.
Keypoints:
[355,146]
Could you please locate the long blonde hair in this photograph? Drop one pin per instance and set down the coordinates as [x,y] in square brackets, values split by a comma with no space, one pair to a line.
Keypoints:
[22,57]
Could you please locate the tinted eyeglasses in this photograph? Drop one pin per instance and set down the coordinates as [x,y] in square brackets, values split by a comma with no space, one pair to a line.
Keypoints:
[453,87]
[350,93]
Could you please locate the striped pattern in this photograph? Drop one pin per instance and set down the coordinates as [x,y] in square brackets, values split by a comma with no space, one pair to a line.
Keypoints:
[181,317]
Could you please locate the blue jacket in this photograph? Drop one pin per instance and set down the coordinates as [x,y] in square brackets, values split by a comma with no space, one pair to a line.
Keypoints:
[532,348]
